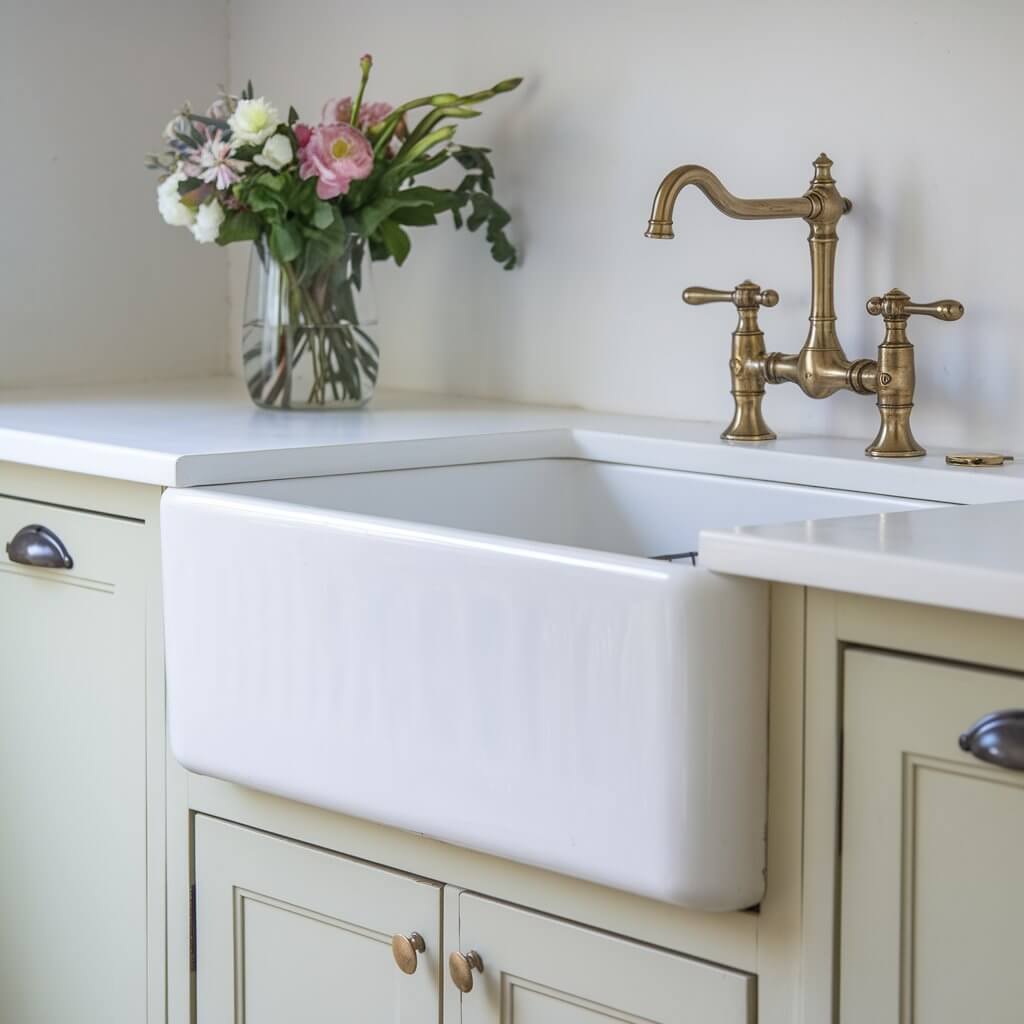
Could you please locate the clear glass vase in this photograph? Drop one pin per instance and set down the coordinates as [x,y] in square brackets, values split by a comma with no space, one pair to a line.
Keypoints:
[305,343]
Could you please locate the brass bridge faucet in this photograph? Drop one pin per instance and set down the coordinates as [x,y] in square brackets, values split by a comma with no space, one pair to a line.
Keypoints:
[820,368]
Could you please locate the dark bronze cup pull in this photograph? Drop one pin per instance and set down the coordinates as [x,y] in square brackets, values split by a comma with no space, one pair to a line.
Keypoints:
[998,739]
[38,546]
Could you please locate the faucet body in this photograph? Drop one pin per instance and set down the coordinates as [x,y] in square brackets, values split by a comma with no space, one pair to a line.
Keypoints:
[821,367]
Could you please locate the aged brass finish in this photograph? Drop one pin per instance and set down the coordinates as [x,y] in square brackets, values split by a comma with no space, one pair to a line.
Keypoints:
[895,370]
[404,948]
[461,967]
[746,365]
[821,367]
[976,459]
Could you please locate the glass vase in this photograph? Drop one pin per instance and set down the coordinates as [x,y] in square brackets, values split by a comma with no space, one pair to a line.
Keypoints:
[305,343]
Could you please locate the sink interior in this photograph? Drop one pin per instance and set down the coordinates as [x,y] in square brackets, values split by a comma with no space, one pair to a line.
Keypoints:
[629,510]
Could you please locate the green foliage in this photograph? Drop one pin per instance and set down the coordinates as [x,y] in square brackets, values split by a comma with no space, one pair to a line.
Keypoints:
[384,203]
[477,194]
[395,239]
[300,228]
[239,226]
[281,210]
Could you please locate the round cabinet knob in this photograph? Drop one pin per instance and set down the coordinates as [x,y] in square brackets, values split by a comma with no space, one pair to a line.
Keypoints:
[461,967]
[405,949]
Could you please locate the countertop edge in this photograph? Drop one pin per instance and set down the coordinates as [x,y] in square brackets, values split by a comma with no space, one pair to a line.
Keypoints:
[915,580]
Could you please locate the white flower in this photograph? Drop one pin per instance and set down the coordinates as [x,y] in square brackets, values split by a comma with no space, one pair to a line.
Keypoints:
[277,153]
[253,122]
[172,209]
[208,222]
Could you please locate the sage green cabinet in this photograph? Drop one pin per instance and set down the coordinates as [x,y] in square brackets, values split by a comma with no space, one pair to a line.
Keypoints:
[542,970]
[932,915]
[290,932]
[73,774]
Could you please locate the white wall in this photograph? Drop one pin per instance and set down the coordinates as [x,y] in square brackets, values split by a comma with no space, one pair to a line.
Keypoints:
[93,285]
[917,101]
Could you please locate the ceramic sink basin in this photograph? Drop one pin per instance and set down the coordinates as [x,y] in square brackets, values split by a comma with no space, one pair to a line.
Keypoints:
[491,655]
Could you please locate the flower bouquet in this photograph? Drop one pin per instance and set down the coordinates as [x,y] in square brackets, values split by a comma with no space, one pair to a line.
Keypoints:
[319,202]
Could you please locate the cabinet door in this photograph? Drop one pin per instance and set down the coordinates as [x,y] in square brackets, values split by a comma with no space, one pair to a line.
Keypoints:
[291,933]
[540,970]
[73,883]
[933,849]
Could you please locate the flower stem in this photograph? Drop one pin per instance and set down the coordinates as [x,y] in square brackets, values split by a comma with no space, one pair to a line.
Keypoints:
[364,65]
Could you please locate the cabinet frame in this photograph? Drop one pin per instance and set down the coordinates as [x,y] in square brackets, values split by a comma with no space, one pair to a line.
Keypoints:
[167,831]
[791,943]
[836,622]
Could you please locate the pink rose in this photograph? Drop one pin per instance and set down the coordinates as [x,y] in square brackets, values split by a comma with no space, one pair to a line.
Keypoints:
[340,112]
[302,134]
[337,155]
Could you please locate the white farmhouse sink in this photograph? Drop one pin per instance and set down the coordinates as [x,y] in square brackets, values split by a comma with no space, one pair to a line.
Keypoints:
[488,655]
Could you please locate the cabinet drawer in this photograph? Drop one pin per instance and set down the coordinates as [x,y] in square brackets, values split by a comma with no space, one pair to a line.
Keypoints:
[541,970]
[932,875]
[288,932]
[94,541]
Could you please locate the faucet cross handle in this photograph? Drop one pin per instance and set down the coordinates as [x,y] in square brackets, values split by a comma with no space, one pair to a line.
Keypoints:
[746,364]
[894,374]
[896,305]
[746,295]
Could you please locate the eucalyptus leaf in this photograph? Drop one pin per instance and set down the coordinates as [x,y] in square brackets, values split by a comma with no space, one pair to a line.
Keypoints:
[285,243]
[189,185]
[372,216]
[415,216]
[396,240]
[275,182]
[239,226]
[323,215]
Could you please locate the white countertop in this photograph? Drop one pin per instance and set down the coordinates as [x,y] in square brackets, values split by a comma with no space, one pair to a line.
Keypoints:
[965,557]
[194,432]
[186,433]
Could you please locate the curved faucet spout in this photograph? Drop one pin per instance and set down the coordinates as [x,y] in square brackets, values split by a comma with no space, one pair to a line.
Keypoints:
[660,224]
[821,367]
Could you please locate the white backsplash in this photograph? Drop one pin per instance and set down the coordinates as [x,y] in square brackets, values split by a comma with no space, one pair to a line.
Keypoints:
[915,102]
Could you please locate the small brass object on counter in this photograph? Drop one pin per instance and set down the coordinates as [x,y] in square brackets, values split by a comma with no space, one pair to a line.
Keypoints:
[821,367]
[975,459]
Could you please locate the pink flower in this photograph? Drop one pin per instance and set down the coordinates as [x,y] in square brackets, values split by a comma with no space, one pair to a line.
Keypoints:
[337,155]
[340,112]
[222,107]
[302,134]
[214,163]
